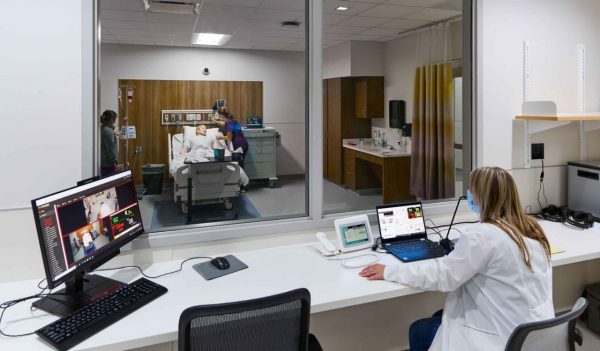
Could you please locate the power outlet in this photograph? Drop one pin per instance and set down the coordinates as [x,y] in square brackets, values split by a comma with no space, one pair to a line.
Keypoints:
[537,151]
[139,149]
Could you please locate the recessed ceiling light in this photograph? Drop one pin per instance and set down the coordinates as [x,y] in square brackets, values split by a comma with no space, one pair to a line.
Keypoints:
[211,39]
[342,8]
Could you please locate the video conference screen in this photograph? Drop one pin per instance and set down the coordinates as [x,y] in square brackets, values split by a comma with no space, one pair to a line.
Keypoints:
[79,223]
[401,221]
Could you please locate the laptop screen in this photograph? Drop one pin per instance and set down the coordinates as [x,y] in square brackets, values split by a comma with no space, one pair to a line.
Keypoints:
[399,221]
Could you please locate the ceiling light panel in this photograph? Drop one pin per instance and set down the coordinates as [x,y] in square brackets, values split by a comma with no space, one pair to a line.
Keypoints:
[354,8]
[210,39]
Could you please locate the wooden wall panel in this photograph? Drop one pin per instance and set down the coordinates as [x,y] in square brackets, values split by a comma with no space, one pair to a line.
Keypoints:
[243,98]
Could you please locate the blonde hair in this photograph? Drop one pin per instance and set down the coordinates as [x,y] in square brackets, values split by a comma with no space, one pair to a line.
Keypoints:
[498,199]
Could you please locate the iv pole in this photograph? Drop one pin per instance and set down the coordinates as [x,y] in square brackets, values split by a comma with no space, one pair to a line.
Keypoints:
[129,92]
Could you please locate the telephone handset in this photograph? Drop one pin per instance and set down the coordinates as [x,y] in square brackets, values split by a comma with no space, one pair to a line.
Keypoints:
[329,248]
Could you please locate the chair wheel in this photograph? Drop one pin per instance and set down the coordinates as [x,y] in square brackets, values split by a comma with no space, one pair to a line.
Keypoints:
[228,205]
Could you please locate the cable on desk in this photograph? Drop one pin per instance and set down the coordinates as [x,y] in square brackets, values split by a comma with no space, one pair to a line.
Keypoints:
[8,304]
[345,264]
[156,276]
[377,246]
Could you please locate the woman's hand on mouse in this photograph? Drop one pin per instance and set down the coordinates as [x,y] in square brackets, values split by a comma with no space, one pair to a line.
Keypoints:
[373,272]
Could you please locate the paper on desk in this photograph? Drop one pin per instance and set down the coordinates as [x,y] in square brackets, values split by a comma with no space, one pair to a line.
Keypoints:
[556,250]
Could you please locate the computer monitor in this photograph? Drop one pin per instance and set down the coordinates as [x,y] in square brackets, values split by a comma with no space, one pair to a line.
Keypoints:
[80,229]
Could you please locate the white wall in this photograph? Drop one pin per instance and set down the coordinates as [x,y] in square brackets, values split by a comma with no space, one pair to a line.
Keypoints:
[337,61]
[40,99]
[367,58]
[553,29]
[353,59]
[282,74]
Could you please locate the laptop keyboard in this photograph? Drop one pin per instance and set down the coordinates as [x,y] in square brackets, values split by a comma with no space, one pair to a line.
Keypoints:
[415,245]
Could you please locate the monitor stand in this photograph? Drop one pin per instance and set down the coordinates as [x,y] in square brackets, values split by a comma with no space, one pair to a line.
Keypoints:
[80,291]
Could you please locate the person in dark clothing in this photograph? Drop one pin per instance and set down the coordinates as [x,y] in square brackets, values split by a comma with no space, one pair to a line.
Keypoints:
[109,138]
[233,133]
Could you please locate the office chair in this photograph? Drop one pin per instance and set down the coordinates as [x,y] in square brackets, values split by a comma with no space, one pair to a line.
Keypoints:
[272,323]
[556,334]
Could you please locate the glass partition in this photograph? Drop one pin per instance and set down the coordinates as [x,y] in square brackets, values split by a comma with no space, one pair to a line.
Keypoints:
[393,126]
[210,107]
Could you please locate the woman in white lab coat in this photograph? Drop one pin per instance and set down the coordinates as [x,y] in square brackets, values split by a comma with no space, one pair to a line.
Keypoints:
[499,274]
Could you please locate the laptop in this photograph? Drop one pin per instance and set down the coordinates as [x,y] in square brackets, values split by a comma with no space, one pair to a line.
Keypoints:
[403,233]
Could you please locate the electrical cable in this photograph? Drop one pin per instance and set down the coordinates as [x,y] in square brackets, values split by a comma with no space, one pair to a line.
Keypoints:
[8,304]
[344,261]
[455,223]
[156,276]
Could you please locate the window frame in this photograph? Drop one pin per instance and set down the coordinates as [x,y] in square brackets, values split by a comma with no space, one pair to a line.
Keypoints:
[314,219]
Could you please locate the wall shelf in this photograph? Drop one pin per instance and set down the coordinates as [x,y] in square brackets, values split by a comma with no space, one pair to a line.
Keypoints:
[561,117]
[539,116]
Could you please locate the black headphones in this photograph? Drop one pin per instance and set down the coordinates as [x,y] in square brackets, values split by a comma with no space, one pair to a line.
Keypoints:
[579,219]
[584,220]
[555,214]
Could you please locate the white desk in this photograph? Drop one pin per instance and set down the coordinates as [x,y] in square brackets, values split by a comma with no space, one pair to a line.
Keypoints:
[270,271]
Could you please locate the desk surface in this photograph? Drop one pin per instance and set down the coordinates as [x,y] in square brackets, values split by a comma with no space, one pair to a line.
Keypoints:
[270,271]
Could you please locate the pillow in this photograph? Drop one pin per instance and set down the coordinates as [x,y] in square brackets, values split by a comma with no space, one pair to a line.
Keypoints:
[190,132]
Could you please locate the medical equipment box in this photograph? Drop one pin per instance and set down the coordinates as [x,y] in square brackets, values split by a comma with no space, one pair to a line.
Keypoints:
[584,186]
[260,162]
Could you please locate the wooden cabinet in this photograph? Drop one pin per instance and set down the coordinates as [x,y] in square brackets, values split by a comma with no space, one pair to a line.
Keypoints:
[349,169]
[368,93]
[339,123]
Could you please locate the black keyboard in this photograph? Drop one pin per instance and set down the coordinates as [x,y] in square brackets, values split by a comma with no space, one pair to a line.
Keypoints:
[414,245]
[71,330]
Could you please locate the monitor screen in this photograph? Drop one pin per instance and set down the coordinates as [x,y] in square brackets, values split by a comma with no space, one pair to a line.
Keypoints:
[354,234]
[401,220]
[79,226]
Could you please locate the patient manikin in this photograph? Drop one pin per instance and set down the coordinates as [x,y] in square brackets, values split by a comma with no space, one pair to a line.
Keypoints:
[201,130]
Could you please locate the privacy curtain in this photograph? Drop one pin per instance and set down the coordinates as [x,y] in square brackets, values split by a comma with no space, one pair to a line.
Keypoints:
[432,161]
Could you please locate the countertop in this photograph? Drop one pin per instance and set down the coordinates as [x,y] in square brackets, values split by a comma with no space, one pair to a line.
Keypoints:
[375,150]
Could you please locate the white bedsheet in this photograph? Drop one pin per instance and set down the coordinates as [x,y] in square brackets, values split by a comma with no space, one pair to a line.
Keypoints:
[200,155]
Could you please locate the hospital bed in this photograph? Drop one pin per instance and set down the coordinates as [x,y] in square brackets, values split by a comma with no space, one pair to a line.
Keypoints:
[211,182]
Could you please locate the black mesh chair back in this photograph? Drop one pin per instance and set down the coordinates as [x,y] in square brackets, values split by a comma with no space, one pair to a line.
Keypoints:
[277,323]
[556,334]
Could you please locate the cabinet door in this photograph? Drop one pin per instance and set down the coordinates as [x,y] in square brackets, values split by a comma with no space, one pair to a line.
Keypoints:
[360,96]
[368,93]
[349,169]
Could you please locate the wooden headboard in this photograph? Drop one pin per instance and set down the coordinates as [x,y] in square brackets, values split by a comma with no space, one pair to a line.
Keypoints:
[244,98]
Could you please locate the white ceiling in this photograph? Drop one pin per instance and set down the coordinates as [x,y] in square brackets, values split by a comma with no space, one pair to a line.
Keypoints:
[256,24]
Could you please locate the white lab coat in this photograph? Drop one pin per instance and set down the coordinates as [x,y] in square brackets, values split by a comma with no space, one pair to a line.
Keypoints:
[491,288]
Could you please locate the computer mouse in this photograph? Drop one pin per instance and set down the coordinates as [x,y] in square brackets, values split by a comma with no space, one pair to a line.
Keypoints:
[220,263]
